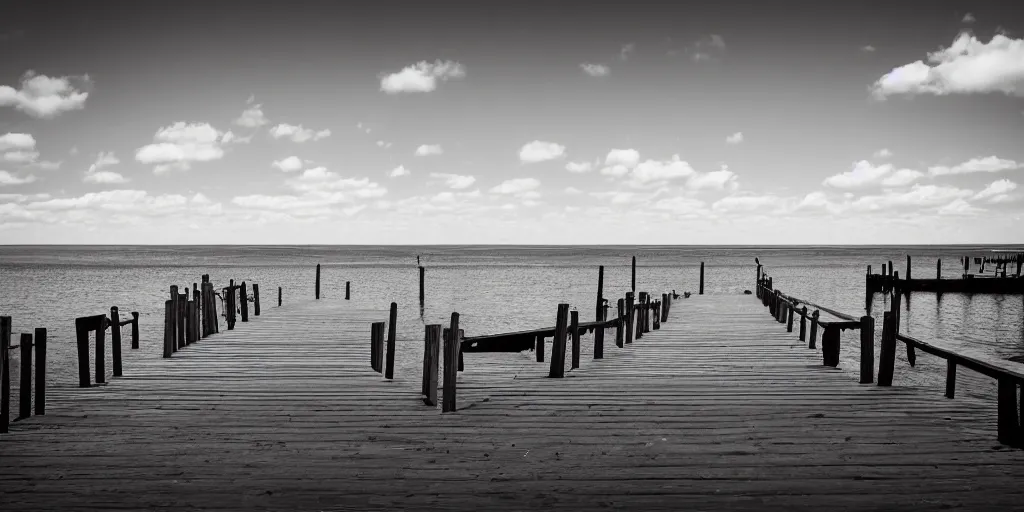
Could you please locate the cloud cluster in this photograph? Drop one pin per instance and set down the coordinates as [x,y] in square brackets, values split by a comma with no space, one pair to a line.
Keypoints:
[319,194]
[421,77]
[454,181]
[429,149]
[96,174]
[595,69]
[735,138]
[967,66]
[985,164]
[540,151]
[288,164]
[178,146]
[252,117]
[46,97]
[297,133]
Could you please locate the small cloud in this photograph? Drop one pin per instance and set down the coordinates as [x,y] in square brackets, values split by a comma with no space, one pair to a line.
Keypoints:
[105,177]
[361,127]
[290,164]
[707,48]
[627,50]
[178,145]
[17,141]
[595,69]
[625,157]
[540,151]
[46,97]
[421,77]
[986,164]
[7,178]
[996,192]
[902,177]
[968,18]
[735,138]
[399,171]
[862,174]
[868,48]
[429,149]
[73,151]
[455,181]
[579,167]
[103,159]
[382,144]
[517,186]
[959,207]
[21,157]
[252,117]
[883,153]
[298,133]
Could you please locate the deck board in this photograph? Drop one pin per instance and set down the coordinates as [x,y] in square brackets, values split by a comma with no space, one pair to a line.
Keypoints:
[720,409]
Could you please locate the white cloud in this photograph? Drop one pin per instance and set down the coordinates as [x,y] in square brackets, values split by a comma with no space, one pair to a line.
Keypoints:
[650,172]
[180,144]
[968,18]
[199,198]
[20,157]
[289,164]
[540,151]
[967,66]
[252,117]
[578,167]
[735,138]
[986,164]
[455,181]
[429,149]
[104,159]
[382,144]
[707,48]
[616,171]
[47,165]
[298,133]
[45,97]
[723,179]
[862,174]
[917,196]
[595,69]
[902,177]
[627,50]
[17,141]
[997,191]
[363,128]
[399,171]
[516,186]
[319,182]
[883,153]
[421,77]
[105,177]
[868,48]
[959,207]
[7,178]
[625,157]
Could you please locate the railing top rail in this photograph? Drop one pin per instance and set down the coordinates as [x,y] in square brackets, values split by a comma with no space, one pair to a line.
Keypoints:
[995,368]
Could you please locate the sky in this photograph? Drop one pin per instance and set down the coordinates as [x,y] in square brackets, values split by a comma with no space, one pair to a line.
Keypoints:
[397,122]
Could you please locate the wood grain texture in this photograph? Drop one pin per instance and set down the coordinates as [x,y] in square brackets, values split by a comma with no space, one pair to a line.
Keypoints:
[722,410]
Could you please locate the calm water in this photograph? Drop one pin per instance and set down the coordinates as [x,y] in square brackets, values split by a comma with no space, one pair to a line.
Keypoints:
[494,288]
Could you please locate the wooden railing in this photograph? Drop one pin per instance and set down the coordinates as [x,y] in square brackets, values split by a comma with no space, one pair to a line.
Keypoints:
[25,345]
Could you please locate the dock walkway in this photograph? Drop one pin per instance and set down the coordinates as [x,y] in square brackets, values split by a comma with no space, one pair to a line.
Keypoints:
[720,409]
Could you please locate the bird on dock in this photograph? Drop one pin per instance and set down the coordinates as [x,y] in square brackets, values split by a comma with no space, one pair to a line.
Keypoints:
[686,295]
[675,295]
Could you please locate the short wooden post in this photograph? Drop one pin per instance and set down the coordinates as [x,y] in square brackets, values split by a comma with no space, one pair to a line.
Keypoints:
[115,340]
[168,334]
[278,296]
[633,285]
[135,330]
[180,327]
[451,365]
[656,316]
[101,355]
[665,304]
[574,332]
[5,373]
[189,328]
[629,317]
[887,356]
[174,318]
[701,278]
[197,325]
[256,299]
[422,284]
[619,322]
[389,368]
[377,346]
[814,329]
[82,339]
[229,305]
[599,313]
[938,268]
[599,342]
[25,391]
[789,322]
[830,346]
[317,281]
[40,346]
[348,289]
[432,351]
[1008,422]
[639,317]
[214,317]
[557,369]
[950,378]
[538,347]
[908,267]
[243,296]
[867,349]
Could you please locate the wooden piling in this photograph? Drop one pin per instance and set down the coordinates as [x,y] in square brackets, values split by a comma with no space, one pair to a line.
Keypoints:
[101,356]
[656,316]
[867,349]
[115,340]
[629,317]
[538,347]
[830,346]
[1008,426]
[317,281]
[5,373]
[229,305]
[887,355]
[557,369]
[639,309]
[174,318]
[25,389]
[279,296]
[574,332]
[256,299]
[633,285]
[243,297]
[348,289]
[422,284]
[619,323]
[168,334]
[389,369]
[665,304]
[40,348]
[950,378]
[908,267]
[599,342]
[451,365]
[377,346]
[789,322]
[814,330]
[803,323]
[938,269]
[432,351]
[599,313]
[135,330]
[701,278]
[180,326]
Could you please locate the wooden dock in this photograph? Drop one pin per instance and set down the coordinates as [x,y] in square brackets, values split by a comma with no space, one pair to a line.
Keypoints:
[719,409]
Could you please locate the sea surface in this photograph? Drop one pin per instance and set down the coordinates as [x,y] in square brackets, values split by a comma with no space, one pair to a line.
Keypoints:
[496,289]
